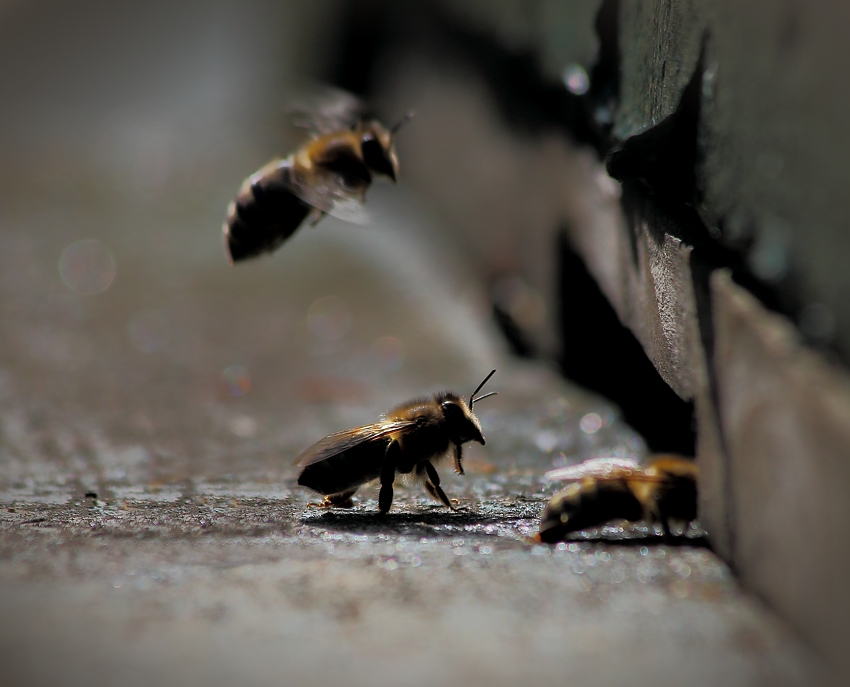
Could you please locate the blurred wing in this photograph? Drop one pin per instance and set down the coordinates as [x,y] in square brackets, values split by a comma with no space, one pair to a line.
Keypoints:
[602,468]
[322,109]
[327,192]
[672,466]
[343,441]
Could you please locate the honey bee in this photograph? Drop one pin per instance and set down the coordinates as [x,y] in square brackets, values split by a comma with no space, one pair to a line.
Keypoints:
[407,441]
[329,174]
[606,489]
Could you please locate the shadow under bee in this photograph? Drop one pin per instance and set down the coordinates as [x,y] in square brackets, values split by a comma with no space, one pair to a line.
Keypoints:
[414,523]
[697,540]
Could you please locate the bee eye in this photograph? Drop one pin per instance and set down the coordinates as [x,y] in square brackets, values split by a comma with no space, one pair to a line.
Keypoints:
[451,411]
[352,171]
[375,157]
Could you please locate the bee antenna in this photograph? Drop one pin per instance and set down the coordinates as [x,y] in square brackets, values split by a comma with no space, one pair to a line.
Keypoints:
[401,122]
[475,400]
[472,398]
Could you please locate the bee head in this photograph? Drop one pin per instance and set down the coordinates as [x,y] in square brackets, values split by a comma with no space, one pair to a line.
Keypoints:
[462,424]
[378,148]
[558,515]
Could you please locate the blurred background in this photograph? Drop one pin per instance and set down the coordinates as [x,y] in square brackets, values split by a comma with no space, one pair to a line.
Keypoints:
[133,126]
[128,131]
[636,212]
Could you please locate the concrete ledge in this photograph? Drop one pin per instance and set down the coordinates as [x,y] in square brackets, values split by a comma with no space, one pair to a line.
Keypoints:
[757,188]
[785,415]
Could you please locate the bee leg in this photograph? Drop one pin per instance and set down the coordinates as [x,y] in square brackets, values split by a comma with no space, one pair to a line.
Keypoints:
[433,484]
[341,500]
[385,497]
[431,490]
[665,526]
[458,459]
[314,216]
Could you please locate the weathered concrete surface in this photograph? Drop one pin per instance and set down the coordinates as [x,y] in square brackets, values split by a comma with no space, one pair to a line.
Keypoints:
[772,134]
[250,586]
[771,130]
[179,392]
[786,419]
[558,32]
[199,563]
[772,140]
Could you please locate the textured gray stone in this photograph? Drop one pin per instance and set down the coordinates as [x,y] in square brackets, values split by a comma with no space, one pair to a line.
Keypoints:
[178,396]
[772,141]
[198,561]
[785,415]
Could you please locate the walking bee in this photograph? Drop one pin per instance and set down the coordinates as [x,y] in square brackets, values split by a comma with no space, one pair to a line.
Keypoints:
[329,174]
[606,489]
[407,441]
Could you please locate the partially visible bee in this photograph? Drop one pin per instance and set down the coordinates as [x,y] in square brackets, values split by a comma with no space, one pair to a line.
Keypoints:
[606,489]
[329,174]
[408,440]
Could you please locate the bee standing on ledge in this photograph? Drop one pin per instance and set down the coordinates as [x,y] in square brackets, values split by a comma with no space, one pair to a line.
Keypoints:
[606,489]
[328,174]
[407,441]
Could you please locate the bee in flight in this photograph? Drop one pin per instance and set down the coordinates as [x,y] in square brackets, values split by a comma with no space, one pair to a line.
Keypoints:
[407,441]
[604,489]
[329,174]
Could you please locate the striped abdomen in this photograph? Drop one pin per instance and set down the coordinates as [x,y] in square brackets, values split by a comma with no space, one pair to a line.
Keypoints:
[264,214]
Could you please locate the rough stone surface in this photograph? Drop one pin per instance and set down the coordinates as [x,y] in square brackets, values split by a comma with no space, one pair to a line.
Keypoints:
[772,135]
[786,418]
[249,585]
[774,448]
[151,398]
[558,32]
[151,531]
[771,141]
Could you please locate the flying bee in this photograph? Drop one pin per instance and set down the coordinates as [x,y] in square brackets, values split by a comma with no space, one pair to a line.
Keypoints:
[606,489]
[329,174]
[407,441]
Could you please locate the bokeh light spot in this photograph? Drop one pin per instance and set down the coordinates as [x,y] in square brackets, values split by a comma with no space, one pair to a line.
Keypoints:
[590,423]
[236,380]
[546,440]
[576,79]
[87,267]
[243,426]
[329,318]
[769,262]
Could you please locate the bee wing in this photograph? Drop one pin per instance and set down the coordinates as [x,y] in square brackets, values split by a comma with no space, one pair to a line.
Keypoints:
[322,109]
[327,192]
[672,466]
[602,468]
[343,441]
